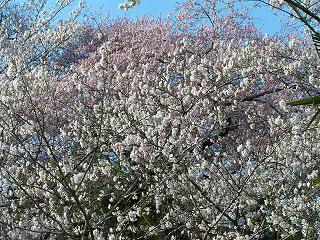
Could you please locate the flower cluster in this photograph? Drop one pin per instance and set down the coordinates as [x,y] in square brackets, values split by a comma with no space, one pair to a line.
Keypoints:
[150,133]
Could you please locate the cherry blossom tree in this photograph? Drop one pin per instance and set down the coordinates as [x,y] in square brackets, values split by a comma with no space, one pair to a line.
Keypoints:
[147,130]
[29,44]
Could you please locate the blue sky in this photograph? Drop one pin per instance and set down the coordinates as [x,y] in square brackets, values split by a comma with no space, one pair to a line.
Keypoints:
[263,17]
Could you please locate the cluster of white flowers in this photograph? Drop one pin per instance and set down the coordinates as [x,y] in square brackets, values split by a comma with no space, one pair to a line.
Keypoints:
[148,137]
[129,4]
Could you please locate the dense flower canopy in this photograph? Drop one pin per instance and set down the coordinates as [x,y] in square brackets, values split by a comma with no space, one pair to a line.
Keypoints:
[147,130]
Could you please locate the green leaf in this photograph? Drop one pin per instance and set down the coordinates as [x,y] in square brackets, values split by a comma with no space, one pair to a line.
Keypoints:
[296,236]
[316,182]
[146,221]
[306,101]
